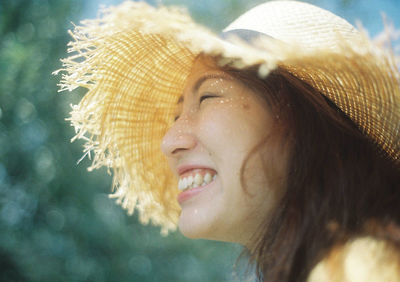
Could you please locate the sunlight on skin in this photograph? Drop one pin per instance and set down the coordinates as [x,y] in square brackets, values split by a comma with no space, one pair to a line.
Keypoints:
[218,123]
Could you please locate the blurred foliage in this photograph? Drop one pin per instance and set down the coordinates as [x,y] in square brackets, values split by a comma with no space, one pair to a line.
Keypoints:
[56,221]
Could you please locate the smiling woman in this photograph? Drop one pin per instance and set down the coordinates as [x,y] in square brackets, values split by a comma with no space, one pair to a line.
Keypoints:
[281,134]
[220,122]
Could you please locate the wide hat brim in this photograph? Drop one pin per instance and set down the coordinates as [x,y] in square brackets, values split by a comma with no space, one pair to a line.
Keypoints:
[134,61]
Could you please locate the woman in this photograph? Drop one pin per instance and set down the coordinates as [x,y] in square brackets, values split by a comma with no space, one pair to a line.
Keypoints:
[281,134]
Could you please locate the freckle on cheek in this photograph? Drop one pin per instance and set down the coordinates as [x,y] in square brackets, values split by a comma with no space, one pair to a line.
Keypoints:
[245,106]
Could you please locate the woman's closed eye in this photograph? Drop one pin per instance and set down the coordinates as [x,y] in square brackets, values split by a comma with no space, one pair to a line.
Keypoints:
[202,98]
[207,96]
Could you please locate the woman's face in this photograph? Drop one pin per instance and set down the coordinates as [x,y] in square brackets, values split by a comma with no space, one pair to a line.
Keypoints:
[211,146]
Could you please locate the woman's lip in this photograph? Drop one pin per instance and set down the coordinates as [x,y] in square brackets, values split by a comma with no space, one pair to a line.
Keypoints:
[186,195]
[185,168]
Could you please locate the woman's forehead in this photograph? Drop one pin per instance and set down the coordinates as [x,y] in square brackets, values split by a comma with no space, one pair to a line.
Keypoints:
[203,69]
[203,64]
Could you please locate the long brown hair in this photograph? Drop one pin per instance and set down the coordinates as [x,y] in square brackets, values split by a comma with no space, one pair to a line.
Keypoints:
[338,181]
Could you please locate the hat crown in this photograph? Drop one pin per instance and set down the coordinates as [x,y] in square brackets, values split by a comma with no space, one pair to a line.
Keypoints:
[296,22]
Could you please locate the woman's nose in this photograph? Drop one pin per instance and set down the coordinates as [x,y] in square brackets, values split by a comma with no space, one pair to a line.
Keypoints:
[179,138]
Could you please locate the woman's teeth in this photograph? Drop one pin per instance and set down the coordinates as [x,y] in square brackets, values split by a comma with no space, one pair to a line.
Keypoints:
[195,180]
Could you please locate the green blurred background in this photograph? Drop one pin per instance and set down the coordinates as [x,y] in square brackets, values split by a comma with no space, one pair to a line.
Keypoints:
[56,221]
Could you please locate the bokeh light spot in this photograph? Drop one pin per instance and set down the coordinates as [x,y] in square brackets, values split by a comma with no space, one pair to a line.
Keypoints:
[25,111]
[26,32]
[11,213]
[55,219]
[33,134]
[44,164]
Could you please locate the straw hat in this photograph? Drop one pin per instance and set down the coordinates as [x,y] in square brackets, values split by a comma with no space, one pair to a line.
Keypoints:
[135,58]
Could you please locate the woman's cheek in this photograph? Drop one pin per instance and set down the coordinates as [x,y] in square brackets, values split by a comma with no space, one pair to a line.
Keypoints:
[222,121]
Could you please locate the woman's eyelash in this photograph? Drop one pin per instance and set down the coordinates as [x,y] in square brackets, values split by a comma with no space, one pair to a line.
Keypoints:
[207,96]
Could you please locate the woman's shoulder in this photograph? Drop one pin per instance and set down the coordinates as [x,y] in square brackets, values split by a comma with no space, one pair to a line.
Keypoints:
[365,258]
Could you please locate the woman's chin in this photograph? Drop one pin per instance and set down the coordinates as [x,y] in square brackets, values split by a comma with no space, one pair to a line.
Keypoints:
[196,227]
[188,233]
[192,229]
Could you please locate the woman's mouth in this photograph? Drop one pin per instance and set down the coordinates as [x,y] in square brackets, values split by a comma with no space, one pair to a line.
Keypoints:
[193,182]
[196,178]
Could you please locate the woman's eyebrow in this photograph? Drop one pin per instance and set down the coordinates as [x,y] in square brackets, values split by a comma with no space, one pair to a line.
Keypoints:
[203,79]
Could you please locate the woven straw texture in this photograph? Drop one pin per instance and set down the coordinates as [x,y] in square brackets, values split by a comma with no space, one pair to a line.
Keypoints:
[134,61]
